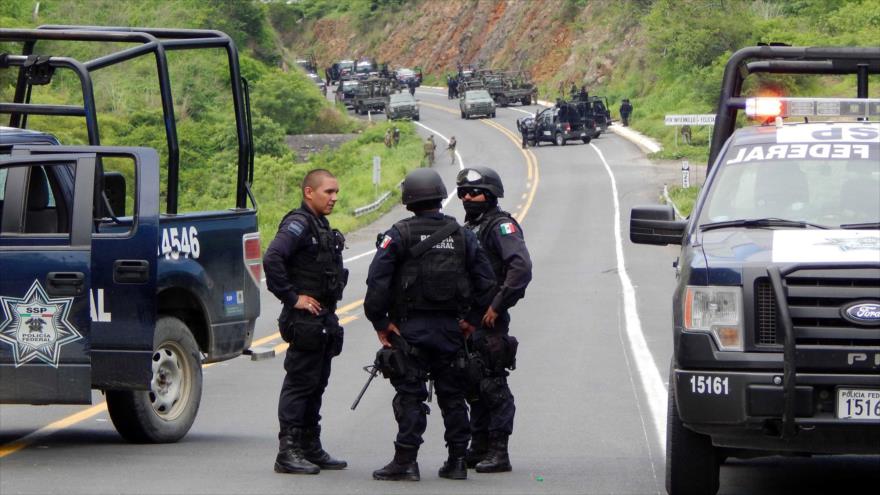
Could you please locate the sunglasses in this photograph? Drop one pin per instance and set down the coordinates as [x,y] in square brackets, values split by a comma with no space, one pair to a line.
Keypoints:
[470,191]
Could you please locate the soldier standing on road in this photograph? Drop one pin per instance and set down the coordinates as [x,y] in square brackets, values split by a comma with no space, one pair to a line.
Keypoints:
[429,150]
[502,238]
[427,274]
[304,270]
[626,109]
[396,136]
[451,149]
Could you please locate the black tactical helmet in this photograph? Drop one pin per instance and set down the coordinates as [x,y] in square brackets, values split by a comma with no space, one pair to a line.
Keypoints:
[422,184]
[482,178]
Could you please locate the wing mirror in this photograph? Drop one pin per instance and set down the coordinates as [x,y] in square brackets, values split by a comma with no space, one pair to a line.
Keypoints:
[655,224]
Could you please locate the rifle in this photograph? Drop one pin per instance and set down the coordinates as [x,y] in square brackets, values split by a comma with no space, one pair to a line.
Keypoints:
[373,370]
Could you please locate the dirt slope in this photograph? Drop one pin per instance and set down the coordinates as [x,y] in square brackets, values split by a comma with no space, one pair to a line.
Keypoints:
[555,42]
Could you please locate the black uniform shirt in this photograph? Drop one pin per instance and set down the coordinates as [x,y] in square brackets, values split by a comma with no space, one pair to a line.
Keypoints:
[293,235]
[378,300]
[506,241]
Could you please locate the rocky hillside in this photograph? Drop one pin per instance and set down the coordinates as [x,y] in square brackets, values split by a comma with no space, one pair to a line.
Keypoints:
[666,55]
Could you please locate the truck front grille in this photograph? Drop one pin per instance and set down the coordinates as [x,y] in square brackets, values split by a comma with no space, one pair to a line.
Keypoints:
[815,300]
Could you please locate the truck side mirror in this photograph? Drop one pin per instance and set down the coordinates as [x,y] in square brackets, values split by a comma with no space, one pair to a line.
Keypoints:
[655,224]
[114,189]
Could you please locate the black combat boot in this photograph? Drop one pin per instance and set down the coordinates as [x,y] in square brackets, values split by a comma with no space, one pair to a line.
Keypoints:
[403,467]
[455,468]
[497,461]
[290,457]
[478,450]
[315,453]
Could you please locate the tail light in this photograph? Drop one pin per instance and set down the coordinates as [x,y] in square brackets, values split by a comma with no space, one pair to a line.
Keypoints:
[253,257]
[567,127]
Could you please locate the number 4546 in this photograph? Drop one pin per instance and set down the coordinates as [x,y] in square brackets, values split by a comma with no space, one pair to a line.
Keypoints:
[177,242]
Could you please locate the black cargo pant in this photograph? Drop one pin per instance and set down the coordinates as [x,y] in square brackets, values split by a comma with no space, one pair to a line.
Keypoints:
[494,409]
[308,372]
[410,410]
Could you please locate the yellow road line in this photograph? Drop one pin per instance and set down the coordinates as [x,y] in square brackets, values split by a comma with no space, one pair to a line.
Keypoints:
[531,161]
[78,417]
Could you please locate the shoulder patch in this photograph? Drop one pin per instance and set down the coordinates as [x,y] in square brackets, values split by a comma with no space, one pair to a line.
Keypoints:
[386,241]
[507,228]
[295,228]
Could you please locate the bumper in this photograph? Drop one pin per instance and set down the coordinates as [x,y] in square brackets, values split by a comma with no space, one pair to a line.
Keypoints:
[744,410]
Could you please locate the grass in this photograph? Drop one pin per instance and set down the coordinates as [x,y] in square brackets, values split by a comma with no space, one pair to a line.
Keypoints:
[684,198]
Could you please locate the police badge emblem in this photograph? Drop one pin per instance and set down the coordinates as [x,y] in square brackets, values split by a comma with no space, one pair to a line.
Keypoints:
[37,326]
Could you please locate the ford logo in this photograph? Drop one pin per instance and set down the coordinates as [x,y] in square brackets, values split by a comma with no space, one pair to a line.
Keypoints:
[862,313]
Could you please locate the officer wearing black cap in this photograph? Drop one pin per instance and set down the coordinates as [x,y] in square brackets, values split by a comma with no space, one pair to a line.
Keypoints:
[502,238]
[304,270]
[427,278]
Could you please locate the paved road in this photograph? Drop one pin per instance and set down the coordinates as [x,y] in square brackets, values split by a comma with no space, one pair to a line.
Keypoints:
[590,387]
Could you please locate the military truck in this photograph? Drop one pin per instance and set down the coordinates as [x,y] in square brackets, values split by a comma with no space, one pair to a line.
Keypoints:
[345,92]
[401,106]
[474,102]
[776,314]
[370,95]
[340,71]
[100,289]
[510,87]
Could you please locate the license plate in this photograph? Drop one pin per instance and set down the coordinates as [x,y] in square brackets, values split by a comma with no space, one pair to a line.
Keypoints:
[858,404]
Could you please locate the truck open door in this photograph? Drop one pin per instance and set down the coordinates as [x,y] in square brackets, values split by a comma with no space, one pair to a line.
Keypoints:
[45,262]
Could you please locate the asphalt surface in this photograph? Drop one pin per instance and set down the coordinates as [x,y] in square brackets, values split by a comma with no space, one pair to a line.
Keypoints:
[595,347]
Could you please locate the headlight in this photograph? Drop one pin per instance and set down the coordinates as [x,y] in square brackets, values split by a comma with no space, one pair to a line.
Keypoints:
[717,311]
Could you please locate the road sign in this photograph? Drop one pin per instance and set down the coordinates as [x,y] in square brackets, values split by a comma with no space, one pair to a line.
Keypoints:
[377,169]
[685,174]
[698,119]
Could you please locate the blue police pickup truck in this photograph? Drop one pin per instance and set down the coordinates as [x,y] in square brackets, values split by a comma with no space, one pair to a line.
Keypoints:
[100,288]
[776,315]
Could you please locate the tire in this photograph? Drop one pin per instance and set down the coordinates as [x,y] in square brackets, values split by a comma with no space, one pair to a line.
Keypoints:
[143,416]
[692,462]
[492,115]
[533,143]
[527,100]
[586,140]
[559,139]
[462,115]
[416,117]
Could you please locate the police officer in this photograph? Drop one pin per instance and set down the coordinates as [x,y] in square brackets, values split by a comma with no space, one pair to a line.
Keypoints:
[502,238]
[427,274]
[304,270]
[626,109]
[526,126]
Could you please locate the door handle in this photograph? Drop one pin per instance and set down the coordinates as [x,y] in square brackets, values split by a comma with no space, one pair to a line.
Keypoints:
[65,283]
[131,271]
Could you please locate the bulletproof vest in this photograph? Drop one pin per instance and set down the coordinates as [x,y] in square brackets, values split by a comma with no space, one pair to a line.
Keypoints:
[432,276]
[490,221]
[319,275]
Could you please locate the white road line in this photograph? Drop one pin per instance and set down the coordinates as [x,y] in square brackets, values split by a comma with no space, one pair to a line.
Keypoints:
[644,360]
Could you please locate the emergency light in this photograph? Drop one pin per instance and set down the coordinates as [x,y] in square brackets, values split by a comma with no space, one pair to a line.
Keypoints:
[764,107]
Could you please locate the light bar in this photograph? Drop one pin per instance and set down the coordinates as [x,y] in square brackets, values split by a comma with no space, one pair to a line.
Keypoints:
[813,107]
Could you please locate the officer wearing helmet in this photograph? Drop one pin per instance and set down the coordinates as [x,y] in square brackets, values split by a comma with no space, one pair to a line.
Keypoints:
[428,277]
[502,238]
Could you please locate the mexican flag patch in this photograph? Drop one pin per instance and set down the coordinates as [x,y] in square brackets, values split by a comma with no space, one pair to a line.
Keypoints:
[386,241]
[507,228]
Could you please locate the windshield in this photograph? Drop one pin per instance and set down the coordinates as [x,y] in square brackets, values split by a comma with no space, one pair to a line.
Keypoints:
[478,95]
[402,98]
[827,184]
[349,84]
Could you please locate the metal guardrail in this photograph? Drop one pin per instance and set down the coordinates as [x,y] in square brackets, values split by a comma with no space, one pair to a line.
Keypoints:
[363,210]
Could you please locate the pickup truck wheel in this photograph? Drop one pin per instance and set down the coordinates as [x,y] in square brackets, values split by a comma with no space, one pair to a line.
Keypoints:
[559,139]
[416,117]
[586,140]
[527,100]
[493,114]
[692,463]
[165,413]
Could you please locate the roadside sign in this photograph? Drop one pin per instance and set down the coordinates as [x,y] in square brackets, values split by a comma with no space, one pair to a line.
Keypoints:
[697,119]
[685,174]
[377,170]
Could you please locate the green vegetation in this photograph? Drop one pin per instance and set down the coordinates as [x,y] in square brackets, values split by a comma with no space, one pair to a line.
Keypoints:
[684,198]
[283,102]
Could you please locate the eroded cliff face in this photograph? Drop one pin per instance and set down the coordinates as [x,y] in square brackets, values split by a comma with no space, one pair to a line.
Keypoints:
[556,43]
